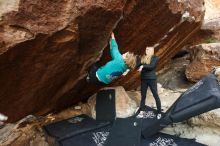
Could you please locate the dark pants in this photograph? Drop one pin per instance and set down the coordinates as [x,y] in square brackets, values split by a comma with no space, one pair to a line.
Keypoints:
[152,83]
[92,76]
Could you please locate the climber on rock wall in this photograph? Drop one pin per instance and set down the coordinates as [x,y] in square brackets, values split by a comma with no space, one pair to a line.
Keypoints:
[119,65]
[147,66]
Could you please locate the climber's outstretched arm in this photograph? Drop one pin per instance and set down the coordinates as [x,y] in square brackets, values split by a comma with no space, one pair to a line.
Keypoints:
[114,47]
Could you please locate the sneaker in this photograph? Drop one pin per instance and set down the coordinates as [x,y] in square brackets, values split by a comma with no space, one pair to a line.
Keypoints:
[137,111]
[141,114]
[1,124]
[3,117]
[158,116]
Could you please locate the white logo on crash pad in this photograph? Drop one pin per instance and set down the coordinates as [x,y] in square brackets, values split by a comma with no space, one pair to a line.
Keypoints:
[100,137]
[163,142]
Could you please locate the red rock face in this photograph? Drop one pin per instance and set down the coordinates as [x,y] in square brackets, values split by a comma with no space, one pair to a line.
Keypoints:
[47,47]
[204,57]
[148,25]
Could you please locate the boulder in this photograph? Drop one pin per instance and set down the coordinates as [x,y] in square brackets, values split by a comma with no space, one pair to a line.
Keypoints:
[46,47]
[203,58]
[172,76]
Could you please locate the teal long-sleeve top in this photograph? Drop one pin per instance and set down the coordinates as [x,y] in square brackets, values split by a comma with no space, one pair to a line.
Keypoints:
[114,68]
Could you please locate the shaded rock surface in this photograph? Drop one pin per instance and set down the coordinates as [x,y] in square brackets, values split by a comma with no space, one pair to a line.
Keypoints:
[47,47]
[172,76]
[203,58]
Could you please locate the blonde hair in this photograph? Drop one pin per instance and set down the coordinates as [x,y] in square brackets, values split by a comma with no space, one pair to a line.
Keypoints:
[130,60]
[146,58]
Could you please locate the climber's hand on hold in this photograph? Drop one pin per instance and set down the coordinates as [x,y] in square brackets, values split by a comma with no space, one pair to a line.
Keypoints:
[140,68]
[112,35]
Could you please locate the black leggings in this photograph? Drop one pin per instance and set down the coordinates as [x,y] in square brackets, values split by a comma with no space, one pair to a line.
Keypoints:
[152,83]
[92,76]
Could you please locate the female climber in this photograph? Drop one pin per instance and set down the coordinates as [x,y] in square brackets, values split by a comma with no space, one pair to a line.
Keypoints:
[149,79]
[119,65]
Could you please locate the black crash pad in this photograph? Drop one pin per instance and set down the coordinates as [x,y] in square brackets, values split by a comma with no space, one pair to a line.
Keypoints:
[105,105]
[161,139]
[149,117]
[95,137]
[125,132]
[150,123]
[200,98]
[70,127]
